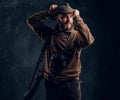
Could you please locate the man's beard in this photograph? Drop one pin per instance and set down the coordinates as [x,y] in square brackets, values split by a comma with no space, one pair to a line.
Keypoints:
[65,27]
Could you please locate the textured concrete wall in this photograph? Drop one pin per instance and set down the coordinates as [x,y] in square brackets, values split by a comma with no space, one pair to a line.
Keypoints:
[20,48]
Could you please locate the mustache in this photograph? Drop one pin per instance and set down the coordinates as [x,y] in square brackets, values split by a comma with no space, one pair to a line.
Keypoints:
[68,23]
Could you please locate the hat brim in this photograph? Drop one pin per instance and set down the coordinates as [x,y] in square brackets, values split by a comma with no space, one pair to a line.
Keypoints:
[60,11]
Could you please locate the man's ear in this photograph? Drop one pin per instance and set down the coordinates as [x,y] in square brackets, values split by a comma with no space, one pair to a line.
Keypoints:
[73,13]
[57,18]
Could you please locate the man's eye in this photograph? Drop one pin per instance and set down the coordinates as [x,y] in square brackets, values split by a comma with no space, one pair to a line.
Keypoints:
[63,16]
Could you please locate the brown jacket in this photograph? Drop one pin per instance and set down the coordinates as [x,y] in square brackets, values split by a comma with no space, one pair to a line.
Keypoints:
[81,37]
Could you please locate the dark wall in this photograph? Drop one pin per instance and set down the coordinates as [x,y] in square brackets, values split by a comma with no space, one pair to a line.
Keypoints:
[20,48]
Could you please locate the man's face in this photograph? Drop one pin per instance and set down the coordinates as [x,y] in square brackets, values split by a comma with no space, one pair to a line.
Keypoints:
[65,21]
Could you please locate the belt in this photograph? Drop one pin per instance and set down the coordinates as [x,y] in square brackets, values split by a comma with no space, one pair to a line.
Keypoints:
[59,81]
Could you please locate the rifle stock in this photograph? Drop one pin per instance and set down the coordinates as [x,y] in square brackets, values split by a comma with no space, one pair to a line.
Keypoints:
[34,83]
[32,89]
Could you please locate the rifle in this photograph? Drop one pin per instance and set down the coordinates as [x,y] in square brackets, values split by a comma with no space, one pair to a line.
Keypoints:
[36,78]
[33,87]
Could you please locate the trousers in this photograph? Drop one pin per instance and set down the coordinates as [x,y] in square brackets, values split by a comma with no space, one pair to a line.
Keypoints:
[67,90]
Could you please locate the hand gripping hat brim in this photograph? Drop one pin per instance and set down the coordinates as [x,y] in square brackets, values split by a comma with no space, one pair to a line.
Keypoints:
[62,9]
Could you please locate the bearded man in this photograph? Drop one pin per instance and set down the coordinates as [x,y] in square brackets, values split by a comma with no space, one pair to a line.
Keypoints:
[66,41]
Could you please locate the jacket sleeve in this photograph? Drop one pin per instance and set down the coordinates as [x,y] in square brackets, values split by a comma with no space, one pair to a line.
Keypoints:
[84,36]
[36,23]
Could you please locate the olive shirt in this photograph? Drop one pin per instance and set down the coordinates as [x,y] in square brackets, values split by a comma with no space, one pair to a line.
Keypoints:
[80,37]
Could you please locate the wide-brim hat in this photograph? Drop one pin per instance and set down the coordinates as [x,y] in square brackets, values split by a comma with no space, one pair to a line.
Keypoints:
[62,9]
